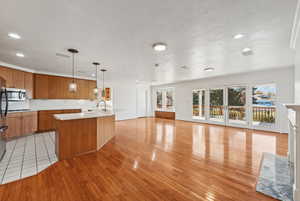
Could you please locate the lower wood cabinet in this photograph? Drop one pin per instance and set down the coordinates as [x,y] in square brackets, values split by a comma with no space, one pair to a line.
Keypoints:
[21,123]
[46,121]
[165,115]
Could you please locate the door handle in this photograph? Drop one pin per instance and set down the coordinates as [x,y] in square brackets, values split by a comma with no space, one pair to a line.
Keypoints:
[6,97]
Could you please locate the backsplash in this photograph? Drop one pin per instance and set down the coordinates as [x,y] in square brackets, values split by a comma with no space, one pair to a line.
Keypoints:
[18,105]
[37,104]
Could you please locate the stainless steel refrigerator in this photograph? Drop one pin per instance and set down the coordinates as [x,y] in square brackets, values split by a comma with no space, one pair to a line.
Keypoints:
[3,114]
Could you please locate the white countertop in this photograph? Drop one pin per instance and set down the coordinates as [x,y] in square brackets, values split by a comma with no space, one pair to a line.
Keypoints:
[83,115]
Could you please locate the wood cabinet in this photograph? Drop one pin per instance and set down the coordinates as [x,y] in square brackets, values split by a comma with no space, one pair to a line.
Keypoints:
[41,86]
[6,74]
[18,79]
[79,136]
[46,121]
[57,87]
[105,130]
[28,84]
[165,115]
[21,123]
[30,122]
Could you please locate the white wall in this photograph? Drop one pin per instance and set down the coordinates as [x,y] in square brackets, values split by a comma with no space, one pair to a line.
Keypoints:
[297,72]
[283,77]
[125,97]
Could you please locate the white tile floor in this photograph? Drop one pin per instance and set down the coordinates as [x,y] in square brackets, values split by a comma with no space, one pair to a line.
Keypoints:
[27,156]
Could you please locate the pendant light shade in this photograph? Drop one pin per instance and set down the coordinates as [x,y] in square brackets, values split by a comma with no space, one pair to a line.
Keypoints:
[73,85]
[103,87]
[96,90]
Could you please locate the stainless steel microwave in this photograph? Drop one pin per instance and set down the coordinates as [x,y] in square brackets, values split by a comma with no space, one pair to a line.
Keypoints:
[14,94]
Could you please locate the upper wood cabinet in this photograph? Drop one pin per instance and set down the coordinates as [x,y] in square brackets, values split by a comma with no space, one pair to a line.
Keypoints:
[6,74]
[28,84]
[57,87]
[41,86]
[18,79]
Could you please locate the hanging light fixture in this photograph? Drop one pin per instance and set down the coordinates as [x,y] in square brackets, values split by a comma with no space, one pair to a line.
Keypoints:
[73,85]
[96,90]
[103,89]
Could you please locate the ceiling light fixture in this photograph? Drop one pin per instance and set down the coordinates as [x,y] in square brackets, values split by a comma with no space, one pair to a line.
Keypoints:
[247,51]
[14,35]
[73,85]
[103,86]
[238,36]
[209,69]
[159,47]
[19,54]
[96,90]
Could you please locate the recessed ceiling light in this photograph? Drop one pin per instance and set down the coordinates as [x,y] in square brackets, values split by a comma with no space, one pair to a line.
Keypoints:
[19,54]
[159,47]
[14,35]
[209,69]
[247,51]
[238,36]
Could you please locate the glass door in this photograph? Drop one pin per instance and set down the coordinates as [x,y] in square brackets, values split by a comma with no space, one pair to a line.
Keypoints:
[264,107]
[236,109]
[216,105]
[199,104]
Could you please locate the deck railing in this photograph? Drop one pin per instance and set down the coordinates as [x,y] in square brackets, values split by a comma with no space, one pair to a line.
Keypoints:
[260,113]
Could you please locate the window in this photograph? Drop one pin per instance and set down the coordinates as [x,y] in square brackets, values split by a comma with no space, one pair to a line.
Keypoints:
[263,105]
[165,99]
[199,104]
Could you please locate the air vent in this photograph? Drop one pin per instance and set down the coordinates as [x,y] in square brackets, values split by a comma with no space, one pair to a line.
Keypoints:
[184,67]
[62,55]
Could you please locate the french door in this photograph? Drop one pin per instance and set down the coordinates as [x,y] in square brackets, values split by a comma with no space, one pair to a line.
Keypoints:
[228,106]
[236,109]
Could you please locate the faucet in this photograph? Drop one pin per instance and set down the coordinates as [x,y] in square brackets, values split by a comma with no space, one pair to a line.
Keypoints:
[102,101]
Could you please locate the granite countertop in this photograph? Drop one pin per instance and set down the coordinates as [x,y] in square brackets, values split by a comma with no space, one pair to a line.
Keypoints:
[83,115]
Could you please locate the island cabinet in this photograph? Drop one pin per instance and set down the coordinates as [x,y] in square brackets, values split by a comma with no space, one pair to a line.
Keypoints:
[57,87]
[77,136]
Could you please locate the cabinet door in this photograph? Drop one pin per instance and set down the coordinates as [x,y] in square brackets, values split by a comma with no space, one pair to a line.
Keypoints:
[44,122]
[82,89]
[29,122]
[14,127]
[41,86]
[18,79]
[92,85]
[6,74]
[28,84]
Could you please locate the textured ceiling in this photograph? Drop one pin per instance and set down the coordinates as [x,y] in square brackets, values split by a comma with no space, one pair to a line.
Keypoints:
[119,34]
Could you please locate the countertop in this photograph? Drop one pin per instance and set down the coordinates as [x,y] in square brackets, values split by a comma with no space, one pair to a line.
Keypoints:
[83,115]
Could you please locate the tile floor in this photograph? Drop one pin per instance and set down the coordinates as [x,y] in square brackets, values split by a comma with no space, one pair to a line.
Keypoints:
[27,156]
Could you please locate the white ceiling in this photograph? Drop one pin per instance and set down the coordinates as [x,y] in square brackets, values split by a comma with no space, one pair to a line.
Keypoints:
[120,34]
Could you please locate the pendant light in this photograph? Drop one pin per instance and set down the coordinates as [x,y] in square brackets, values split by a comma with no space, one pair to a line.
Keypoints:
[103,89]
[96,90]
[73,85]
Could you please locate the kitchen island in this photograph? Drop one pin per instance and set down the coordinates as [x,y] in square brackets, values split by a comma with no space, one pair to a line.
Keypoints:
[81,133]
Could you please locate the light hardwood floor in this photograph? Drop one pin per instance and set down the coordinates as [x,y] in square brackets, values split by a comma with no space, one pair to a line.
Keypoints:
[155,159]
